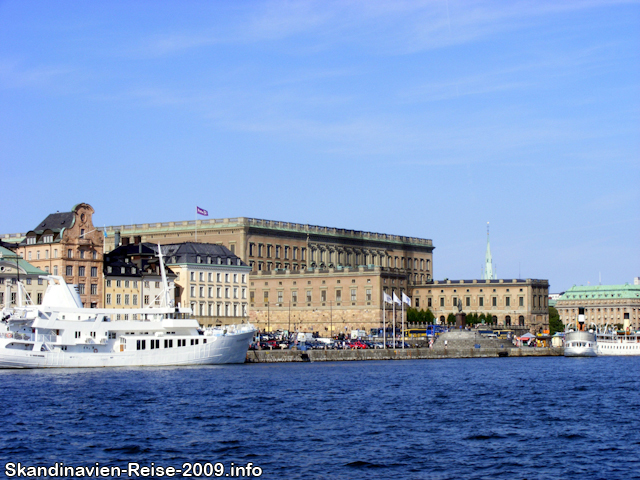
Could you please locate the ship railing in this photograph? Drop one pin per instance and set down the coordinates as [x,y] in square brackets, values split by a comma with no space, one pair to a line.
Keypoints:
[47,338]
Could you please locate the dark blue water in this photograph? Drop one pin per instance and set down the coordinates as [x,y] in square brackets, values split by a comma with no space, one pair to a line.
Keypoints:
[504,418]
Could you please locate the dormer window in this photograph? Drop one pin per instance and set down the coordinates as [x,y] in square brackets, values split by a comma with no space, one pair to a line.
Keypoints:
[198,259]
[219,260]
[31,240]
[228,261]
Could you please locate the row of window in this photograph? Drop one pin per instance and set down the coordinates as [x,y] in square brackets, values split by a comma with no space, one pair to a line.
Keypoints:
[81,254]
[219,309]
[467,301]
[309,296]
[133,283]
[154,344]
[209,290]
[279,251]
[129,299]
[228,278]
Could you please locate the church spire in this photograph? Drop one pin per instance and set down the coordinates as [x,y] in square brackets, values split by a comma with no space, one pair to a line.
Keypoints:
[488,268]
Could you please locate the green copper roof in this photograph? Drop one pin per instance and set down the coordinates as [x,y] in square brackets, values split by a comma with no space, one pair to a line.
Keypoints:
[601,292]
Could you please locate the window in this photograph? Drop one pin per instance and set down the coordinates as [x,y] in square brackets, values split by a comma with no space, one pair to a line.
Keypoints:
[94,255]
[69,270]
[266,296]
[108,283]
[338,295]
[521,301]
[494,301]
[55,269]
[38,255]
[286,252]
[146,299]
[135,299]
[428,302]
[201,292]
[323,296]
[353,294]
[126,284]
[108,299]
[193,276]
[280,294]
[118,299]
[69,253]
[309,296]
[118,283]
[94,271]
[126,299]
[202,276]
[193,290]
[442,301]
[81,253]
[368,294]
[468,301]
[481,301]
[94,289]
[507,301]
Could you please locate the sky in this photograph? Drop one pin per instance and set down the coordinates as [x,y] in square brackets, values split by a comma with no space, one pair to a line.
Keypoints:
[419,118]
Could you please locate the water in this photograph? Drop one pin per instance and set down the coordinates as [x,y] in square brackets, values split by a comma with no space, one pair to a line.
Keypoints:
[503,418]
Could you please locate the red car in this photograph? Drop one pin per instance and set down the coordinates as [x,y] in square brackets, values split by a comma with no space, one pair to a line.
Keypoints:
[358,344]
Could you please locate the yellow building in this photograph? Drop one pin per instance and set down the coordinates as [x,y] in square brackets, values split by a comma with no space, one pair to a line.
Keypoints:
[510,303]
[14,268]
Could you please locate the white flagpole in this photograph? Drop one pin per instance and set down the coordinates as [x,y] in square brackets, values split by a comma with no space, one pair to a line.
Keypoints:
[196,224]
[394,323]
[384,323]
[403,323]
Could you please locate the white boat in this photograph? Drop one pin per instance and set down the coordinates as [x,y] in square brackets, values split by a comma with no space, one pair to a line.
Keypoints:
[611,342]
[580,342]
[61,333]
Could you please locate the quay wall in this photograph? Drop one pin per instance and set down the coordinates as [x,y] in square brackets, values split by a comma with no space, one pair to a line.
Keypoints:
[277,356]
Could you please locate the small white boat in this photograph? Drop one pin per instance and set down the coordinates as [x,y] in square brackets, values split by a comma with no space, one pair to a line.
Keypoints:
[61,333]
[580,342]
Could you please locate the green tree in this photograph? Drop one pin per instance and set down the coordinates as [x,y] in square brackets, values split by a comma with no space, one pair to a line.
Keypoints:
[429,317]
[451,318]
[482,318]
[555,325]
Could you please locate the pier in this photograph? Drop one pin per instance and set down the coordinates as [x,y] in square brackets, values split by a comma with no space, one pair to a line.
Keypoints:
[278,356]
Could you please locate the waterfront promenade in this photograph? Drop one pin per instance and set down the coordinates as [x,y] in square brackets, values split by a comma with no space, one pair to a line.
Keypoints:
[279,356]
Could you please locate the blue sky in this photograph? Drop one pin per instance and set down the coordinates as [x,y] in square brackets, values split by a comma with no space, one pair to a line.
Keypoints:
[425,119]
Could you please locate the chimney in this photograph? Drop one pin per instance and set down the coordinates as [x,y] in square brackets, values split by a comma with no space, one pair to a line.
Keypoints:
[117,239]
[137,239]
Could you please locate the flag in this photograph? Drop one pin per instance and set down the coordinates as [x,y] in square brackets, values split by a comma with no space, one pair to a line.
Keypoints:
[202,211]
[406,299]
[396,299]
[387,297]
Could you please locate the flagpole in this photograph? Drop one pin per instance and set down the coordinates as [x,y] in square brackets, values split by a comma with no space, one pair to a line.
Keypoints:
[394,322]
[402,316]
[384,323]
[196,224]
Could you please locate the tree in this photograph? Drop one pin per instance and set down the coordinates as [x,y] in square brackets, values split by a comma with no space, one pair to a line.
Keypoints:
[482,318]
[555,325]
[451,318]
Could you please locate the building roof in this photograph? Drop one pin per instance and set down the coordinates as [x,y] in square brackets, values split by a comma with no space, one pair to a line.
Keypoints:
[200,253]
[601,292]
[56,222]
[134,260]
